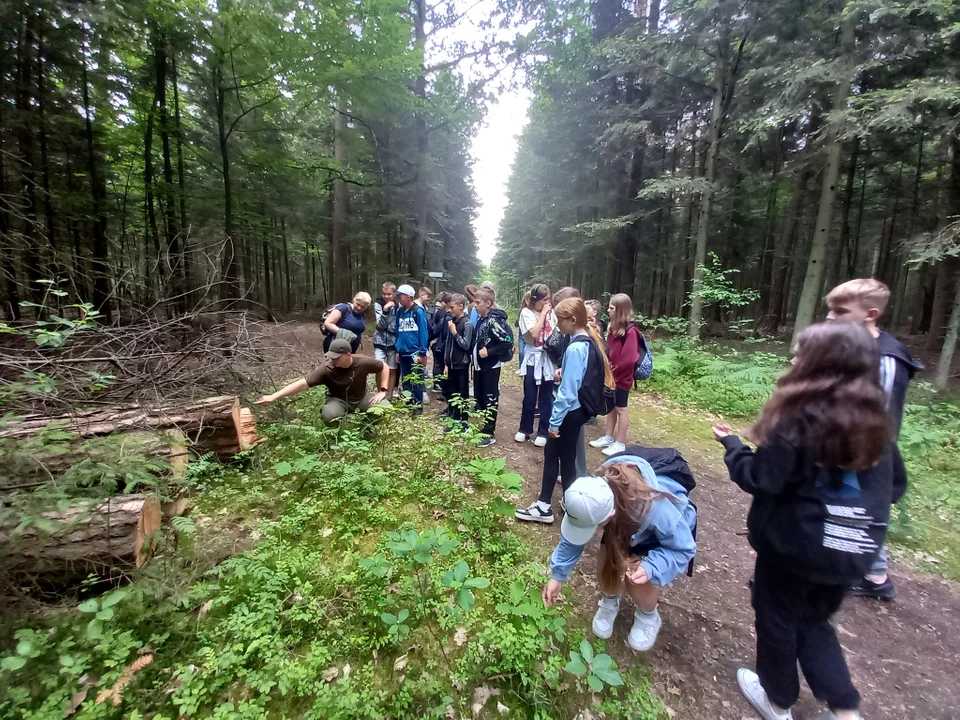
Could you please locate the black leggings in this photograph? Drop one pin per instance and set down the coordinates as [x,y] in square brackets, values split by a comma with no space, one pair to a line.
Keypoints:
[560,455]
[793,624]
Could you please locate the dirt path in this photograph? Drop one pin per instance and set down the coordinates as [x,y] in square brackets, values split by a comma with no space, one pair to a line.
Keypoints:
[901,654]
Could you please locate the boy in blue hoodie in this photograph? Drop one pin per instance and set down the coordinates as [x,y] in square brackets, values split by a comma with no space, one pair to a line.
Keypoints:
[413,337]
[647,543]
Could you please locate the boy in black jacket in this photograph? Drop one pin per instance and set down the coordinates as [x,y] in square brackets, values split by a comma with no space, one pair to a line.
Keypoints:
[864,301]
[457,351]
[493,346]
[823,478]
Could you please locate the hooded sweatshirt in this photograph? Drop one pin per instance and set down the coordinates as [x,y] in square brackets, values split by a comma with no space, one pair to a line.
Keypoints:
[385,336]
[668,527]
[493,333]
[825,524]
[897,368]
[624,356]
[413,331]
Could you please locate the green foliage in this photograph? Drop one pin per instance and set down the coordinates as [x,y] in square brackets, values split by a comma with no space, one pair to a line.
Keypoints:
[374,584]
[597,670]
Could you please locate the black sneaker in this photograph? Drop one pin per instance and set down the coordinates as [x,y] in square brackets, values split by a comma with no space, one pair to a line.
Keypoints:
[486,442]
[878,591]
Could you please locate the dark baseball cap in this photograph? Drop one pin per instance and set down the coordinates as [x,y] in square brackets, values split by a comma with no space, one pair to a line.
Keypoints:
[338,348]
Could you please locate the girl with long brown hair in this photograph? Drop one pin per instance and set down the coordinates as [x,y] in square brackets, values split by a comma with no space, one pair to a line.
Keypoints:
[823,477]
[647,541]
[624,341]
[568,415]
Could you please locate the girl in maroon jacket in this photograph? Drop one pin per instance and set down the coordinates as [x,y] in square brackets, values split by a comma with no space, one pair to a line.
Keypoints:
[623,341]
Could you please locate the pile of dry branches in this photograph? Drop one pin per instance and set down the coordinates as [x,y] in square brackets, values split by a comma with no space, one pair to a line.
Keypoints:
[154,360]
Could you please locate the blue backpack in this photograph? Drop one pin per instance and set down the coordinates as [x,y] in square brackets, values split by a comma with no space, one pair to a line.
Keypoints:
[644,367]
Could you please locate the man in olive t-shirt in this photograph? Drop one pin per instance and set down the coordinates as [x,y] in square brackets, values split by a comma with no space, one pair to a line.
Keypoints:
[345,377]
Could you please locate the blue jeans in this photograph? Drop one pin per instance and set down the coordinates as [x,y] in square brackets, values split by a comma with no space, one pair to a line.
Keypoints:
[411,373]
[531,392]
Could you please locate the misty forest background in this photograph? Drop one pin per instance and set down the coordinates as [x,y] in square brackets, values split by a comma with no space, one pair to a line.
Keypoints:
[720,161]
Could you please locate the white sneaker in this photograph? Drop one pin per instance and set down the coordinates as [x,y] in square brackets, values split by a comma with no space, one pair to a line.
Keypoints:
[829,715]
[614,448]
[540,441]
[535,513]
[520,437]
[602,442]
[609,608]
[753,691]
[645,629]
[426,397]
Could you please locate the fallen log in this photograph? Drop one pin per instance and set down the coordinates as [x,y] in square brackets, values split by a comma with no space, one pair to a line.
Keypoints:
[217,424]
[36,466]
[89,537]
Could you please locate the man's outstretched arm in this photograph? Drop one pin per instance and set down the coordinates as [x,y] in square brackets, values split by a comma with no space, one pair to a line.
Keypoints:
[292,389]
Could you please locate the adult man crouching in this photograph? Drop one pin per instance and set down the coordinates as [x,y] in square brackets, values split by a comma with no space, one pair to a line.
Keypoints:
[345,377]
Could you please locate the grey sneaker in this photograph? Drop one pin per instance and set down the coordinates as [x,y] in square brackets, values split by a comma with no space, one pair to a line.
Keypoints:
[753,691]
[643,634]
[609,608]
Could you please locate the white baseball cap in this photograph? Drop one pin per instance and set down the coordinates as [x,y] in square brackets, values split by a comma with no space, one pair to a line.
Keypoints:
[406,290]
[586,504]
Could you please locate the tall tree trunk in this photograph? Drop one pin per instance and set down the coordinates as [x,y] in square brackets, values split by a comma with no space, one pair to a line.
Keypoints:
[174,254]
[286,264]
[775,306]
[813,280]
[44,156]
[706,198]
[847,255]
[949,342]
[26,165]
[153,267]
[948,270]
[98,185]
[416,258]
[230,289]
[8,268]
[340,272]
[268,297]
[184,260]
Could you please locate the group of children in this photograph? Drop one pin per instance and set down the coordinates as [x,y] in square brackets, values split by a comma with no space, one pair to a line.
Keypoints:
[823,476]
[464,334]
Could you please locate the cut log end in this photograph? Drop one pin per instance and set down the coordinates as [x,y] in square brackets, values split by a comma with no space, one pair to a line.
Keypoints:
[148,524]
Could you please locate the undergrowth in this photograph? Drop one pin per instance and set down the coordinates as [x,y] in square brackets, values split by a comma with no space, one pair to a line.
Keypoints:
[379,580]
[735,383]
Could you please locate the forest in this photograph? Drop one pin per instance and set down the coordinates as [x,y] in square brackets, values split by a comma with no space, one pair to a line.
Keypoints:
[773,148]
[174,154]
[187,186]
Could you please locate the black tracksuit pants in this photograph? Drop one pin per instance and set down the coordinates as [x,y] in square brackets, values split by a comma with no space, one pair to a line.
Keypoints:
[458,393]
[793,624]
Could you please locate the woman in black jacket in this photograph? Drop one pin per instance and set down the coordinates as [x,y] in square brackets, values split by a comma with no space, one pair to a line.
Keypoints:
[822,478]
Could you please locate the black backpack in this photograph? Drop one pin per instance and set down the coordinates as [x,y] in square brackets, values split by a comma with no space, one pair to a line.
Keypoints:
[594,396]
